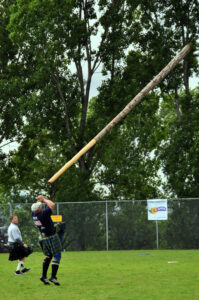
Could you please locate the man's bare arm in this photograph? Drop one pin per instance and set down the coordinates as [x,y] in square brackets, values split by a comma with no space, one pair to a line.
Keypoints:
[48,202]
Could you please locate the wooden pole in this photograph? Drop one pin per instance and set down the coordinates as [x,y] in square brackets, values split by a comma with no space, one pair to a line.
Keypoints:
[157,79]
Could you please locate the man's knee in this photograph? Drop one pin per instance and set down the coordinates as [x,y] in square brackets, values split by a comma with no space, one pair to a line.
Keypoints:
[57,257]
[47,259]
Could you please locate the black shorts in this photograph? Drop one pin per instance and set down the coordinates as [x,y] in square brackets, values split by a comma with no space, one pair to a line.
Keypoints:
[18,251]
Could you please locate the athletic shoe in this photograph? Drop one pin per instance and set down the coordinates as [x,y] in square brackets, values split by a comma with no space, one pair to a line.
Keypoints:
[54,280]
[25,270]
[18,273]
[44,280]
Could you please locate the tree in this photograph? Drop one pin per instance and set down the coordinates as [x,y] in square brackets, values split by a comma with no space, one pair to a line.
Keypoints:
[182,229]
[56,100]
[168,25]
[11,85]
[179,154]
[129,227]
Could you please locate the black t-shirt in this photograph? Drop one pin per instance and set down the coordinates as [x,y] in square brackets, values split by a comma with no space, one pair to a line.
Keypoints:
[44,222]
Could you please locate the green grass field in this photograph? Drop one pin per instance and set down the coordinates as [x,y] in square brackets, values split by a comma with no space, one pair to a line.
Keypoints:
[107,275]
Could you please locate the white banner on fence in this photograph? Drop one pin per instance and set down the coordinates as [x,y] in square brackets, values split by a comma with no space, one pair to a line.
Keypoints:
[157,209]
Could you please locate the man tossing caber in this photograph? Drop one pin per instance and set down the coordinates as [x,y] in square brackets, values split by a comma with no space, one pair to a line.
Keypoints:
[49,239]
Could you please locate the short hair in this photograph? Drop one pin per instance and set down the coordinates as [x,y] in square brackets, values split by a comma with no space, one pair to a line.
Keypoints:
[11,217]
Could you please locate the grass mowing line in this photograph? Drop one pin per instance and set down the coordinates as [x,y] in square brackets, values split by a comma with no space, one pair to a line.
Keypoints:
[112,275]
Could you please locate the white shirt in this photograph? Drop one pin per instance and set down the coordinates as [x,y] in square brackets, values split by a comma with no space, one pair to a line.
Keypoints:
[14,233]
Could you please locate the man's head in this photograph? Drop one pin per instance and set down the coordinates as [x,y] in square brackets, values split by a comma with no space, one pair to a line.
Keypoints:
[36,207]
[14,219]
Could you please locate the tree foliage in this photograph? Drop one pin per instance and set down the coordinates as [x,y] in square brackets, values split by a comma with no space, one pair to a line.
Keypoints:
[179,152]
[49,53]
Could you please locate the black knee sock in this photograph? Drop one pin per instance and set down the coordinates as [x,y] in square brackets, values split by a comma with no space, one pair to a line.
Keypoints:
[55,267]
[46,263]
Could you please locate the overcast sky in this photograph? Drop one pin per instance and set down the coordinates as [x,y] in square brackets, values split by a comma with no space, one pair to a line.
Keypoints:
[97,79]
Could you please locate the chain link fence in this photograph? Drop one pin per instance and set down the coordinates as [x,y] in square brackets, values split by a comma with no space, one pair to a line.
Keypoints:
[112,225]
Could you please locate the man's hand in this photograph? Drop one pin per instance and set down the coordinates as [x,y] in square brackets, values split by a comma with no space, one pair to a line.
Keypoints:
[48,202]
[40,198]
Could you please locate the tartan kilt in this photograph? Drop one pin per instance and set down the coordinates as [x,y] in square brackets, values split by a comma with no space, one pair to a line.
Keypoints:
[51,245]
[18,251]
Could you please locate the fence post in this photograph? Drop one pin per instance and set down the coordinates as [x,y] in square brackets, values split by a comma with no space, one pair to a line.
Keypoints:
[106,225]
[157,240]
[57,208]
[10,208]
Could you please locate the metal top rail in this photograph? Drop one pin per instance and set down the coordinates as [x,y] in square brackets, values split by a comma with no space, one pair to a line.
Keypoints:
[107,201]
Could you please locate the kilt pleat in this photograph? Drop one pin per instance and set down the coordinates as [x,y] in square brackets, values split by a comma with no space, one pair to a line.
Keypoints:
[51,245]
[18,251]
